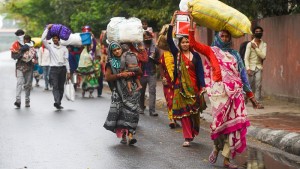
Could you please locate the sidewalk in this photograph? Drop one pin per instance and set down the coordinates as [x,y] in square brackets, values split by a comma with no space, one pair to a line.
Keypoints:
[278,124]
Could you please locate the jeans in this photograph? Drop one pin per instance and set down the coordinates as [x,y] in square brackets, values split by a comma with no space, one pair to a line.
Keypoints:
[46,72]
[57,79]
[255,82]
[24,79]
[151,80]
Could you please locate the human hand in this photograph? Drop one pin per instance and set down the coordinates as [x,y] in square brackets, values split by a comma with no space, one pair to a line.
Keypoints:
[249,72]
[173,17]
[253,45]
[68,76]
[49,26]
[164,81]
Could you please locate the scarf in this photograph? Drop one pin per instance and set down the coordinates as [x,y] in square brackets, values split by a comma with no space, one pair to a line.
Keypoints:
[115,61]
[226,47]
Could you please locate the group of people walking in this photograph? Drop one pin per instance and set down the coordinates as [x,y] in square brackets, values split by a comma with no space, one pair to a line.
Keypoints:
[186,76]
[54,60]
[220,73]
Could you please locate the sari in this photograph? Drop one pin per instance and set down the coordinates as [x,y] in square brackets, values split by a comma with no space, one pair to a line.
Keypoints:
[167,62]
[123,113]
[224,80]
[87,70]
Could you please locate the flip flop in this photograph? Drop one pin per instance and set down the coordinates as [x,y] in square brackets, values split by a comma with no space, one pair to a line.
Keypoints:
[213,157]
[132,141]
[231,166]
[172,125]
[186,144]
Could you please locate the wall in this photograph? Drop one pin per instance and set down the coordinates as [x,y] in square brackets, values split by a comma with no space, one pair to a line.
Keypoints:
[281,74]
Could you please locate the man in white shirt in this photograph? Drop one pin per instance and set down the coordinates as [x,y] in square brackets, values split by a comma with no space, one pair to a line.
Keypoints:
[59,66]
[44,62]
[255,54]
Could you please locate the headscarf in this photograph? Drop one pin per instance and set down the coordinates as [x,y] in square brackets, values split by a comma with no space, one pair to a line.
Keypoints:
[115,61]
[226,47]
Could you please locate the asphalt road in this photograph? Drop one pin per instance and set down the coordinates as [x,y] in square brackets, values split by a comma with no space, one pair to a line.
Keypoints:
[40,137]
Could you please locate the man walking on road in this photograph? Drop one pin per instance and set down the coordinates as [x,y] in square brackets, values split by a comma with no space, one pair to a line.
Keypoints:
[59,66]
[254,56]
[24,66]
[149,74]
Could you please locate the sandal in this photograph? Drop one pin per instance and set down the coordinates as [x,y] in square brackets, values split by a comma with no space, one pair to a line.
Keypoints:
[132,141]
[213,157]
[258,106]
[231,166]
[186,144]
[172,125]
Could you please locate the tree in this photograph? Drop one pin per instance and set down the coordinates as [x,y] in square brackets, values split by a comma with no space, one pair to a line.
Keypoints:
[256,9]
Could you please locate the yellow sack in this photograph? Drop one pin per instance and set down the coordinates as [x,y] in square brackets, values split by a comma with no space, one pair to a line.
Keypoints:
[37,42]
[218,16]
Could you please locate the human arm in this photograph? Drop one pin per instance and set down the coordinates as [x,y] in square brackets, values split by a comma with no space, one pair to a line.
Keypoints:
[109,76]
[261,52]
[43,38]
[243,74]
[208,53]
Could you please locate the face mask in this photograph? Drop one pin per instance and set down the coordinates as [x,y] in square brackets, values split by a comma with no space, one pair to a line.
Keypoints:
[258,35]
[21,39]
[148,42]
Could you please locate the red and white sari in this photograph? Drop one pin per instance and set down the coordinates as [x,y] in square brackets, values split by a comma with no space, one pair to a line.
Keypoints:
[227,101]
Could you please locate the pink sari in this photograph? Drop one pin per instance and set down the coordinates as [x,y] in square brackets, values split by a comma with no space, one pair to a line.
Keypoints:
[227,101]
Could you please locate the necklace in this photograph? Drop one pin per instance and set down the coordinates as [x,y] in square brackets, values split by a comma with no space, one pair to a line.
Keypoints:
[188,66]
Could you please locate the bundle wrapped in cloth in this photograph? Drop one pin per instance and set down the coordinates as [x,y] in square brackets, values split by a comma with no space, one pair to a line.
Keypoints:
[59,30]
[67,37]
[219,16]
[162,38]
[122,30]
[78,39]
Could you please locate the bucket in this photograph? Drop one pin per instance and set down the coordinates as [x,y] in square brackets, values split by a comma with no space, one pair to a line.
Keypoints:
[86,38]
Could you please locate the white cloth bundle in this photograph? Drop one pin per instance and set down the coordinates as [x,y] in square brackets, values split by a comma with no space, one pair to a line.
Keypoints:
[122,30]
[74,39]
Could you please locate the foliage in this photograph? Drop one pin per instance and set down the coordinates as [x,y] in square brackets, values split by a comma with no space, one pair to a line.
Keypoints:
[35,14]
[256,9]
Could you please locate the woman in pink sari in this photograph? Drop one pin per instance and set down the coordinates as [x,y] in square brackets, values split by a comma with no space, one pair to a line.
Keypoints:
[225,79]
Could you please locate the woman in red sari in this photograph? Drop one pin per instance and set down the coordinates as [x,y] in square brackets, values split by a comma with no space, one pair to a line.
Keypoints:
[188,100]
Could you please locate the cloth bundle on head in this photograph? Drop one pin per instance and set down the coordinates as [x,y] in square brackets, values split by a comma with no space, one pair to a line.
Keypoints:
[59,30]
[218,16]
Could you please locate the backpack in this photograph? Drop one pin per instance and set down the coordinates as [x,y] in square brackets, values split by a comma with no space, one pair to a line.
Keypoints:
[242,50]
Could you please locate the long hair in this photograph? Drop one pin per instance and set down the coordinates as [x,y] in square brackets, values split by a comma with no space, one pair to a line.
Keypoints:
[180,40]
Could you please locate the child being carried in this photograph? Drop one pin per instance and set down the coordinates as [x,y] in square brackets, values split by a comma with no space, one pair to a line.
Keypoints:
[129,63]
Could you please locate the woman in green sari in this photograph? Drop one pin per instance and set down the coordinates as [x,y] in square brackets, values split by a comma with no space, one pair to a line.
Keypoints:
[87,70]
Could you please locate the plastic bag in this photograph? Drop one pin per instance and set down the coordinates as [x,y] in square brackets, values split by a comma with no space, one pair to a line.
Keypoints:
[122,30]
[183,5]
[69,91]
[219,16]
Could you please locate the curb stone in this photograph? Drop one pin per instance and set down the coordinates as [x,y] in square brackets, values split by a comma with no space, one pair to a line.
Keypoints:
[281,139]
